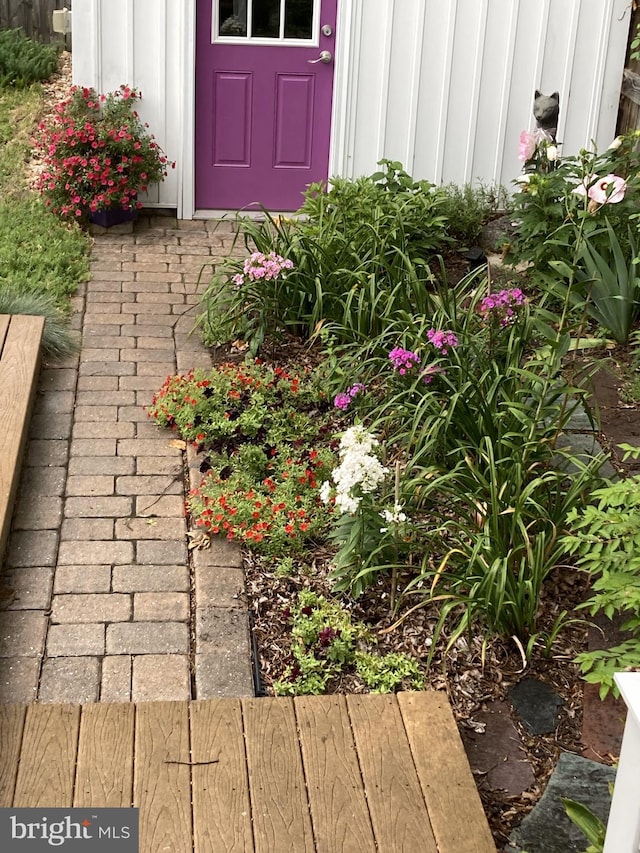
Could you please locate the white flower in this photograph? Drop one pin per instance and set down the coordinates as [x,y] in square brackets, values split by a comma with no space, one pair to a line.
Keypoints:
[523,179]
[325,492]
[394,517]
[552,153]
[617,142]
[358,468]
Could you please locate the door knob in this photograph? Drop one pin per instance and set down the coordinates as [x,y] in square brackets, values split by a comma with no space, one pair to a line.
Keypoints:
[325,57]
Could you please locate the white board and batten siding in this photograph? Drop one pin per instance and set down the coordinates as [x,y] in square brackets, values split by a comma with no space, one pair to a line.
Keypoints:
[444,86]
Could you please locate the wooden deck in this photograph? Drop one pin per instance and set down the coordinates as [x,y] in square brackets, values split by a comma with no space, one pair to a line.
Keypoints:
[20,338]
[322,773]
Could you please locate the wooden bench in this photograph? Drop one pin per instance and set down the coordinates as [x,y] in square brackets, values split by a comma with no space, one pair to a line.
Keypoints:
[314,774]
[20,338]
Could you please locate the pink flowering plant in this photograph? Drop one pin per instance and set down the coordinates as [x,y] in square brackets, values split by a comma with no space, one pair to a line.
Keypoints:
[97,154]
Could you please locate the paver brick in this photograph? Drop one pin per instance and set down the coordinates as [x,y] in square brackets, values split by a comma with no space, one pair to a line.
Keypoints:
[85,485]
[97,383]
[147,447]
[92,553]
[150,578]
[159,553]
[98,340]
[147,638]
[22,633]
[32,548]
[98,429]
[104,398]
[51,426]
[151,528]
[101,465]
[79,529]
[161,678]
[105,296]
[149,383]
[78,579]
[75,640]
[35,512]
[93,447]
[70,680]
[19,680]
[43,481]
[98,507]
[101,354]
[149,486]
[90,607]
[155,369]
[95,413]
[116,678]
[150,265]
[51,452]
[219,586]
[112,276]
[161,607]
[27,588]
[116,317]
[222,674]
[145,309]
[106,368]
[54,403]
[135,414]
[158,465]
[165,506]
[91,331]
[221,552]
[154,330]
[222,628]
[57,379]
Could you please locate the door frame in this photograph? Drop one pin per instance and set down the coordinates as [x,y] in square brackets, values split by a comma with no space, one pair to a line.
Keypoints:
[348,18]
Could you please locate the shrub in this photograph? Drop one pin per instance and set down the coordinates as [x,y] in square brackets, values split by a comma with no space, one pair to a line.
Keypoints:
[359,254]
[23,61]
[57,338]
[467,208]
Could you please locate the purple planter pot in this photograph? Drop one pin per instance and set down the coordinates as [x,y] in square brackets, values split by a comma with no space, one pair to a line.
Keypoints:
[113,216]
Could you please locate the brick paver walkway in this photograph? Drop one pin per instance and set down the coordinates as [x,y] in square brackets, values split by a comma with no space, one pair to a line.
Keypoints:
[100,597]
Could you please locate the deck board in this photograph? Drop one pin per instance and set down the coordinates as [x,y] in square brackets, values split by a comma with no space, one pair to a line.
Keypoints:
[337,802]
[48,757]
[162,777]
[221,806]
[316,774]
[104,772]
[278,792]
[398,810]
[444,774]
[11,726]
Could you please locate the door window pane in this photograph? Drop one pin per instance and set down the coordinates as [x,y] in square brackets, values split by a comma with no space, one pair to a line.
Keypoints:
[232,17]
[298,19]
[266,19]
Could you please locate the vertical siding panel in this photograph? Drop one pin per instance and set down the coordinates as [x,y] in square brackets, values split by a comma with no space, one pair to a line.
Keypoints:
[385,63]
[505,95]
[418,53]
[130,73]
[604,31]
[344,89]
[86,55]
[610,97]
[404,70]
[445,92]
[570,56]
[536,82]
[475,96]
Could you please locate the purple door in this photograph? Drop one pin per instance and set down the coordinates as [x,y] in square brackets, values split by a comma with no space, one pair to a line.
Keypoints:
[264,84]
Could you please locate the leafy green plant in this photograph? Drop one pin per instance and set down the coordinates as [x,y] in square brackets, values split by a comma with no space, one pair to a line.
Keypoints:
[359,253]
[324,644]
[604,536]
[23,61]
[266,438]
[588,823]
[467,208]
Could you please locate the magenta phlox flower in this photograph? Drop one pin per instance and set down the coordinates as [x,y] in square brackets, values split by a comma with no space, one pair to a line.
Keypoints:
[502,305]
[344,399]
[403,360]
[442,339]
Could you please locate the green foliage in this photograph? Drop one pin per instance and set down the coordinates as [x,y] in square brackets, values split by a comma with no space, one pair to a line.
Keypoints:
[265,434]
[359,251]
[23,61]
[57,339]
[605,539]
[467,208]
[587,822]
[325,643]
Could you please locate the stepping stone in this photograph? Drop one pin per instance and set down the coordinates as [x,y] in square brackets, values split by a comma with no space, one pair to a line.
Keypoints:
[497,753]
[537,705]
[547,829]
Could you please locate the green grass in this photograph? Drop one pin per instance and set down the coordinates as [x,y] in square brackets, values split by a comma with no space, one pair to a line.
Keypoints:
[39,255]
